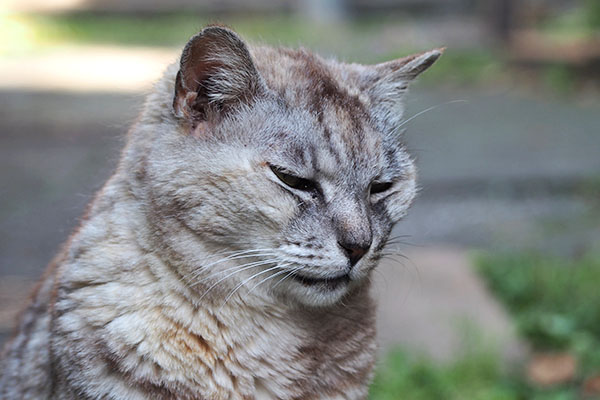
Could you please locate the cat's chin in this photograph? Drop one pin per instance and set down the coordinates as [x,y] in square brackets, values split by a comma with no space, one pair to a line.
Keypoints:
[316,292]
[329,283]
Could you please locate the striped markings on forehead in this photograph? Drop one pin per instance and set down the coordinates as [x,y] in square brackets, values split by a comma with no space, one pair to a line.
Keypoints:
[344,138]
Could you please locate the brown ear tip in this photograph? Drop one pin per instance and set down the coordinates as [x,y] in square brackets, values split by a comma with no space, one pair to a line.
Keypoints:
[214,29]
[430,57]
[210,33]
[217,27]
[436,53]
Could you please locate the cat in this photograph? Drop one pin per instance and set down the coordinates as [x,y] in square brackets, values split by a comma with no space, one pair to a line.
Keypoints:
[230,254]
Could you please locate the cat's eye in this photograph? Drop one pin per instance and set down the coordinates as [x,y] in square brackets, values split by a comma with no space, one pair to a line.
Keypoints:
[295,182]
[380,187]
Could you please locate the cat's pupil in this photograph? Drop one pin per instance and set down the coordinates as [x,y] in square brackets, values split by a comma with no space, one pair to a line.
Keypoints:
[293,181]
[379,187]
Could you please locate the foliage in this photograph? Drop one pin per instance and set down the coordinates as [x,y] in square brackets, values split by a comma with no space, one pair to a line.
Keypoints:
[174,29]
[556,302]
[466,67]
[574,23]
[592,11]
[353,40]
[474,376]
[559,78]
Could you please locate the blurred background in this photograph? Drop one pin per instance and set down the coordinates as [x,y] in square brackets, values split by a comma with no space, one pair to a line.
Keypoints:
[499,297]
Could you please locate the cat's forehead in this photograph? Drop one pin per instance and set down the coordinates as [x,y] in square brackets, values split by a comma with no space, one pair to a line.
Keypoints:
[303,79]
[332,127]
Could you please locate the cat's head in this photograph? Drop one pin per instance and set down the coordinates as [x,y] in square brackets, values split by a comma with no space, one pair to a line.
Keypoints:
[287,169]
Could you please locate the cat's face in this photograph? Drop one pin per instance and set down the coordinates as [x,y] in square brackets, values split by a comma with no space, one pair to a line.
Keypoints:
[295,175]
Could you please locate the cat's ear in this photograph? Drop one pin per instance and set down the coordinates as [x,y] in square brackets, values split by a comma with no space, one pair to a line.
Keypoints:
[216,71]
[386,84]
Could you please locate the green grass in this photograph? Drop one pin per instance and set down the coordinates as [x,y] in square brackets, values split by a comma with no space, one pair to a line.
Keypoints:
[556,304]
[592,14]
[576,23]
[174,29]
[362,40]
[475,376]
[466,68]
[166,30]
[155,30]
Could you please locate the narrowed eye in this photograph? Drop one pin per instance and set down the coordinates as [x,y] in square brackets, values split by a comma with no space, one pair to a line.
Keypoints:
[292,181]
[380,187]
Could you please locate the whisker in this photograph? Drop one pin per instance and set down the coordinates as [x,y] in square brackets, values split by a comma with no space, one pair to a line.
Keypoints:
[236,256]
[246,281]
[394,242]
[398,254]
[406,121]
[294,270]
[399,237]
[245,251]
[225,277]
[283,271]
[411,263]
[237,267]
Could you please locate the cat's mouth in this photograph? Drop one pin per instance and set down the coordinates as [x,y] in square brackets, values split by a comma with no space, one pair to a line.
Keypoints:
[330,283]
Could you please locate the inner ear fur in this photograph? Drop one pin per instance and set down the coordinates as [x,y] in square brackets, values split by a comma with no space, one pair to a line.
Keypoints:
[409,67]
[216,71]
[386,84]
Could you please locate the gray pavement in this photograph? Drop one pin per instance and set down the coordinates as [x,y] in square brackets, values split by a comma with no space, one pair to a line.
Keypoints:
[504,171]
[433,303]
[496,171]
[499,136]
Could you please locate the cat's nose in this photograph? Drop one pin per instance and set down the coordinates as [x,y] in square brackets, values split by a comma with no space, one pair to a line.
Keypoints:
[355,251]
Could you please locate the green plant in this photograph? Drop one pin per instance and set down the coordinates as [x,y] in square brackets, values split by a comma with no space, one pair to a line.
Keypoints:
[475,375]
[556,302]
[560,78]
[592,11]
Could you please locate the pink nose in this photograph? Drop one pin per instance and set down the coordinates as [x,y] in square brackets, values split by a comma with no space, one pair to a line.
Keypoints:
[355,251]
